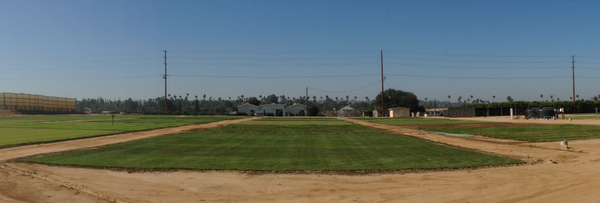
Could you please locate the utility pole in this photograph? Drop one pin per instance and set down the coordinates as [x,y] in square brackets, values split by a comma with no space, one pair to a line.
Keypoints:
[575,108]
[165,77]
[306,102]
[382,107]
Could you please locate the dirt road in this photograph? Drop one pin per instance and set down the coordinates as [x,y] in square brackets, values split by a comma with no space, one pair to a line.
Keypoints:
[574,178]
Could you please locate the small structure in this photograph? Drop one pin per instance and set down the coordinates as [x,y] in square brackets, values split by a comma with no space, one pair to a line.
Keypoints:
[248,109]
[367,113]
[348,111]
[295,110]
[266,109]
[273,109]
[399,112]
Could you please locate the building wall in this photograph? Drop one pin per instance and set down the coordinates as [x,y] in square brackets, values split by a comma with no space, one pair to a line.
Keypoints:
[29,102]
[295,110]
[247,110]
[400,112]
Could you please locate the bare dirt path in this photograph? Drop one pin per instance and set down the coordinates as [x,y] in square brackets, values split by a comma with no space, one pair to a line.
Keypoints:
[575,178]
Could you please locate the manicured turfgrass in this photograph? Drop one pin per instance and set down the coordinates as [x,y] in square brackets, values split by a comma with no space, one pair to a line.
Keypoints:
[46,132]
[418,121]
[297,121]
[135,124]
[278,148]
[544,133]
[24,136]
[37,119]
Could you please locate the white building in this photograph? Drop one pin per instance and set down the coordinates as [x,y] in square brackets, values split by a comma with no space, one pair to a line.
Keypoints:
[296,109]
[272,109]
[249,109]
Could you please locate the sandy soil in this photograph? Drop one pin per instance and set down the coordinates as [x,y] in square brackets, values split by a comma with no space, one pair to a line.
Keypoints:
[574,178]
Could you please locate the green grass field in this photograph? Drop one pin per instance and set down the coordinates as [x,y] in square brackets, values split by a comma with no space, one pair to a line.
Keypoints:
[544,133]
[279,145]
[16,133]
[39,119]
[417,121]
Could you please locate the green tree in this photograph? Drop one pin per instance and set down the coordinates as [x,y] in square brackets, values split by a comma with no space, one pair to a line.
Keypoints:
[397,98]
[253,101]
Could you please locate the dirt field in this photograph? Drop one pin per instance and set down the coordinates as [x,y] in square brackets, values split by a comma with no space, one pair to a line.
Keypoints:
[574,178]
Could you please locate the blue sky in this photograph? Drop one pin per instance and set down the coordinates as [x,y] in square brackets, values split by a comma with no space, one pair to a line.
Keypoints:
[114,49]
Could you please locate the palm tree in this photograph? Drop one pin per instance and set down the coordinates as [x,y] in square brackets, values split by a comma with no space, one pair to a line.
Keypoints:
[448,101]
[541,96]
[367,98]
[347,98]
[204,97]
[425,100]
[314,99]
[493,98]
[355,97]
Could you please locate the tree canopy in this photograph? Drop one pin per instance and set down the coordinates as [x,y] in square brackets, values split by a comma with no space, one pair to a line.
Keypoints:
[397,98]
[254,101]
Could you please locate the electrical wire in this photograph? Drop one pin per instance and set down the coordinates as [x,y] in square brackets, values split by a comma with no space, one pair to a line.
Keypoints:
[333,91]
[477,78]
[96,78]
[467,61]
[474,55]
[470,67]
[274,77]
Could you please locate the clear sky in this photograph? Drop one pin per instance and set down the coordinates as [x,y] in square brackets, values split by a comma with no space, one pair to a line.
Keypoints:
[114,48]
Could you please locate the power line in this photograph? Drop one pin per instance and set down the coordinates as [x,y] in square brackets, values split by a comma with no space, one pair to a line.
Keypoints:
[471,67]
[477,78]
[477,55]
[333,91]
[468,61]
[275,52]
[96,78]
[271,65]
[270,59]
[274,77]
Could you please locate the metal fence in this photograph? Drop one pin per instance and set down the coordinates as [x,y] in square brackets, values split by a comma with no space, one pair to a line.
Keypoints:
[29,102]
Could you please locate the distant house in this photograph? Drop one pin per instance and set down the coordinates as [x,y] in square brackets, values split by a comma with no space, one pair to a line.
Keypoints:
[296,109]
[399,112]
[272,109]
[347,111]
[248,109]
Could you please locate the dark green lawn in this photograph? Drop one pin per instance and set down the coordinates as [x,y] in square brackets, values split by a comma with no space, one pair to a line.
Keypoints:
[544,133]
[280,148]
[400,121]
